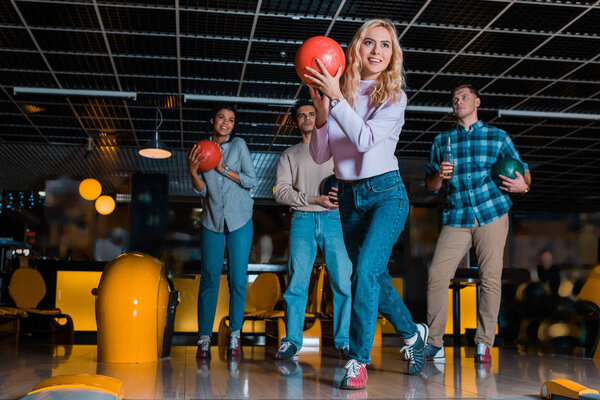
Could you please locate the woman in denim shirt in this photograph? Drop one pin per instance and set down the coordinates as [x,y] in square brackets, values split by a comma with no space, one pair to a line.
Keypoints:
[226,219]
[358,123]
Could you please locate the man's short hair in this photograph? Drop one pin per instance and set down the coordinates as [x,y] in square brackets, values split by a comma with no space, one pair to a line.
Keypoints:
[464,86]
[300,103]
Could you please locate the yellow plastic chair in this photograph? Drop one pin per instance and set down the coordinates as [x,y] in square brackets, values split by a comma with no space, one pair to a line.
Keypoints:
[312,335]
[316,292]
[326,310]
[27,288]
[263,296]
[589,306]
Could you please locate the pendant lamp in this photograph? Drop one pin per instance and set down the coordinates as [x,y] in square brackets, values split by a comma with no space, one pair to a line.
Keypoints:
[155,148]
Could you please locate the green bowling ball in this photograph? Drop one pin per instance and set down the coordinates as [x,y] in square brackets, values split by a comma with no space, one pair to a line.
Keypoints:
[507,167]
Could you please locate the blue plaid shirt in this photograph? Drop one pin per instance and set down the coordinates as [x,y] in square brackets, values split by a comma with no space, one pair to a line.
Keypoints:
[471,193]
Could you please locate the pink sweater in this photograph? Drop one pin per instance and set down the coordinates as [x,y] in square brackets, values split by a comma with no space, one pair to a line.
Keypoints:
[363,140]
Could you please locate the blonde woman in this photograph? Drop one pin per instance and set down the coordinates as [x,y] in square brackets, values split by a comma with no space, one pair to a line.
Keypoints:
[359,121]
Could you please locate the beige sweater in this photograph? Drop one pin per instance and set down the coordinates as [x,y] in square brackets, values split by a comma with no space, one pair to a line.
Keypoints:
[299,177]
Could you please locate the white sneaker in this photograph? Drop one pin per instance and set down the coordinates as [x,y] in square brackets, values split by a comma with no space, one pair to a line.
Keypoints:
[435,354]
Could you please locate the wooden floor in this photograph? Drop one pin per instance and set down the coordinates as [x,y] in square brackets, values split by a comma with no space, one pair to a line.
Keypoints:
[315,375]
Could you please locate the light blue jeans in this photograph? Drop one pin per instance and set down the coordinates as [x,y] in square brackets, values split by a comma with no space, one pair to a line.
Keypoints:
[308,231]
[238,253]
[373,212]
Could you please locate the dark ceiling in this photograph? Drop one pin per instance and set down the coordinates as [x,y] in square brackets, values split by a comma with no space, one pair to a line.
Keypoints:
[541,58]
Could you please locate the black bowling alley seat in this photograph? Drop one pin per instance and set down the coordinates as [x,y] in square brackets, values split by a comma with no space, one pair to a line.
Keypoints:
[27,288]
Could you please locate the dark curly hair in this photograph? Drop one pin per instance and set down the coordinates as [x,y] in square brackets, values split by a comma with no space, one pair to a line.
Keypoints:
[215,110]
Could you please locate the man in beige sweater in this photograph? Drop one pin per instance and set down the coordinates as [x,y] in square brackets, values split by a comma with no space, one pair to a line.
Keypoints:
[315,224]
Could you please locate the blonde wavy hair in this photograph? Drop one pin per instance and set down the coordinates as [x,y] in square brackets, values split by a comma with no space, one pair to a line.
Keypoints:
[389,82]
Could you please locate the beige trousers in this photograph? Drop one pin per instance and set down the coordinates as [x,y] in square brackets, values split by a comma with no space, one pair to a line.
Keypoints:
[489,241]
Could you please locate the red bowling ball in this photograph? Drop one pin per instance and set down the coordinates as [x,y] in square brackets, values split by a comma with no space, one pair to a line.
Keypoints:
[325,49]
[211,153]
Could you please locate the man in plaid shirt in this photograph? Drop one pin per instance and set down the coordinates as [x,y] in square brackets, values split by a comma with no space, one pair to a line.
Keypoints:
[475,213]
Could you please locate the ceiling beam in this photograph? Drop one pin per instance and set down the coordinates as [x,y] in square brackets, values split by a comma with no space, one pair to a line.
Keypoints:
[540,3]
[238,99]
[278,41]
[179,91]
[284,119]
[288,83]
[543,114]
[274,124]
[356,20]
[553,81]
[282,63]
[414,108]
[591,97]
[596,57]
[249,47]
[335,17]
[566,171]
[74,92]
[24,114]
[539,46]
[414,20]
[114,66]
[40,52]
[479,33]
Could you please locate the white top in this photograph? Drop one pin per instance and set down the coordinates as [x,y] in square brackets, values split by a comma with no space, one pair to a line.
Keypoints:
[363,140]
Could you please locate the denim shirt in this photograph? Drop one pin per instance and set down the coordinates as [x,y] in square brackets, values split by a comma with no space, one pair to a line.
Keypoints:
[225,201]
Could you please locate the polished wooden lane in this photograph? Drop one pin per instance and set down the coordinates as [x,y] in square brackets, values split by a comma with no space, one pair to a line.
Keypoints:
[316,375]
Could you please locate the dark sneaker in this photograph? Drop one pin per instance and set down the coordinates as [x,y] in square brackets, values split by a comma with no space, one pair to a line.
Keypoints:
[203,352]
[355,377]
[287,367]
[287,351]
[415,347]
[235,347]
[432,369]
[344,353]
[435,354]
[482,354]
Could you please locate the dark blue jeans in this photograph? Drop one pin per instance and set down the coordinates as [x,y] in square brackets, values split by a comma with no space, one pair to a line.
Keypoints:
[373,212]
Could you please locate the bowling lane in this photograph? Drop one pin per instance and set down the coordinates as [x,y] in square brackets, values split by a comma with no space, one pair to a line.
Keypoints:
[514,374]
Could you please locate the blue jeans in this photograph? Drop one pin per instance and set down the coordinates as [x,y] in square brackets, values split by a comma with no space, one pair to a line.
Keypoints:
[308,231]
[238,253]
[373,212]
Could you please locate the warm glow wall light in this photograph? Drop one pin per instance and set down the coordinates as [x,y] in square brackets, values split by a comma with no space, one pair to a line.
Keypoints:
[105,205]
[90,189]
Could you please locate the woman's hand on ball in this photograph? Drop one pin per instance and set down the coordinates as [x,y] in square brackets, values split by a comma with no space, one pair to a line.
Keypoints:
[327,84]
[194,158]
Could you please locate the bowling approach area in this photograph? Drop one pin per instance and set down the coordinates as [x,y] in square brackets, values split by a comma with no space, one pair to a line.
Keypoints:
[513,374]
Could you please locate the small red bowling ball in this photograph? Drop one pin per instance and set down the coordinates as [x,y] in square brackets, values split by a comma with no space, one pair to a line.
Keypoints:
[325,49]
[212,153]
